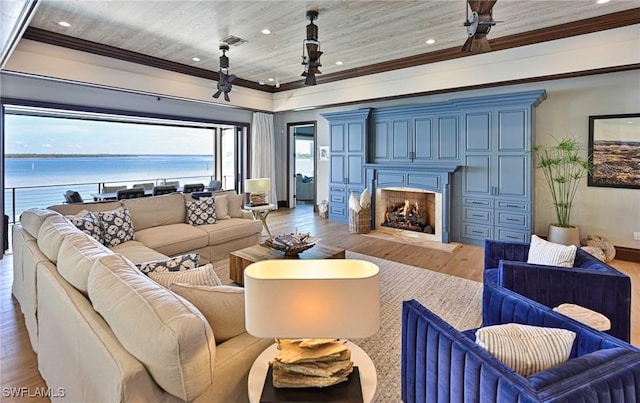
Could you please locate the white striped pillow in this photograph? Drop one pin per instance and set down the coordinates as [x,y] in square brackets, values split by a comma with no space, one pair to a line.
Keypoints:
[526,349]
[549,253]
[203,275]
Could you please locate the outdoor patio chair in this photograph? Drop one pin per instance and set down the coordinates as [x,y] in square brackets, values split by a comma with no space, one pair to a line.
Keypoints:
[193,187]
[163,190]
[71,196]
[145,186]
[132,193]
[214,185]
[113,189]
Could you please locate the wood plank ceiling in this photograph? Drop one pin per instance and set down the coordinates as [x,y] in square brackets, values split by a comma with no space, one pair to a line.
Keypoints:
[366,36]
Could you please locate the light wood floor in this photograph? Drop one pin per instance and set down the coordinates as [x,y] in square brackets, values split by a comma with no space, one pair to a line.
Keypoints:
[18,362]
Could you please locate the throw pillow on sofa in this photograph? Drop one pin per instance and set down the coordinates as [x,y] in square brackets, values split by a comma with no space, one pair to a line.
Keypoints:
[234,203]
[526,349]
[89,223]
[223,306]
[551,254]
[222,207]
[117,227]
[176,263]
[203,275]
[201,212]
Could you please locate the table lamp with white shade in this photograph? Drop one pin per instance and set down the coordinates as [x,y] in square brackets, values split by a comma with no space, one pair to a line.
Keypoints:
[312,299]
[257,189]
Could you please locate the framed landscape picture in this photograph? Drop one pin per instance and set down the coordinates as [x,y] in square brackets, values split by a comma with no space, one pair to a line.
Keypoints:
[614,151]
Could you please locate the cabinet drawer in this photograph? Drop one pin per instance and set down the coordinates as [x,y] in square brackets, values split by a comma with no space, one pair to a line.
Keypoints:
[505,234]
[337,198]
[512,219]
[476,231]
[475,202]
[337,210]
[477,215]
[512,205]
[337,189]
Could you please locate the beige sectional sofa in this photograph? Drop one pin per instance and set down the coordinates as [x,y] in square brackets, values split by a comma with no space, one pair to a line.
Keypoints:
[106,332]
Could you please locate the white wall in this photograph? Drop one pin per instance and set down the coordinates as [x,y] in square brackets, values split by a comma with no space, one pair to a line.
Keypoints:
[609,212]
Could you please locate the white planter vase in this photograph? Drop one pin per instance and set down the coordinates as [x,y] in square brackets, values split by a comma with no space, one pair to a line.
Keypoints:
[564,235]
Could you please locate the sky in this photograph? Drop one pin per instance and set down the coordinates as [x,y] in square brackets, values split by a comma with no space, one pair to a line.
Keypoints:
[40,135]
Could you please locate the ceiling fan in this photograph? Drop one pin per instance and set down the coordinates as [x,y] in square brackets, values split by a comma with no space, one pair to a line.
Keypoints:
[478,25]
[225,79]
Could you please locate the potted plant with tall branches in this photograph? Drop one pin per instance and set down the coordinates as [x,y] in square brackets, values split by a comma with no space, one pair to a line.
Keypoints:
[563,166]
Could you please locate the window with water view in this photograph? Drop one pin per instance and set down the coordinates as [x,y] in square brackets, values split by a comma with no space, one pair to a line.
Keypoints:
[46,156]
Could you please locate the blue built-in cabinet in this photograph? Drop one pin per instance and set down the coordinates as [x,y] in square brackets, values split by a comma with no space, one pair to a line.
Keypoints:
[348,152]
[489,138]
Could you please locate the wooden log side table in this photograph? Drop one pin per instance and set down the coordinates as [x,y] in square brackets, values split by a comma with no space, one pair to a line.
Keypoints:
[242,258]
[591,318]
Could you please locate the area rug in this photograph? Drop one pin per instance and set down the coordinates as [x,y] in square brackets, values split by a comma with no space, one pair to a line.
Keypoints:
[456,300]
[412,240]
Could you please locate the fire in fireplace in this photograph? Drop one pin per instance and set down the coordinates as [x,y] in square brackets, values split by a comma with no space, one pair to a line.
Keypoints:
[407,215]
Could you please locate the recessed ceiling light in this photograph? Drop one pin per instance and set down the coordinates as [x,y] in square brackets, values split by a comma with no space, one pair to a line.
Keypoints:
[261,82]
[266,31]
[64,24]
[270,79]
[195,59]
[431,41]
[602,1]
[339,63]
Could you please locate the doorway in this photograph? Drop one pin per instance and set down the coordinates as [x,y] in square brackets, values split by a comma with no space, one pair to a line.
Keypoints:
[302,164]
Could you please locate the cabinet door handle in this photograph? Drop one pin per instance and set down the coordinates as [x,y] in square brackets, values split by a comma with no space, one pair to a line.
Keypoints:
[477,202]
[513,219]
[477,232]
[512,205]
[477,215]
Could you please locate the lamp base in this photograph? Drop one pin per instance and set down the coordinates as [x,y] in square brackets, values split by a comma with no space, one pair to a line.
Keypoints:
[347,392]
[258,198]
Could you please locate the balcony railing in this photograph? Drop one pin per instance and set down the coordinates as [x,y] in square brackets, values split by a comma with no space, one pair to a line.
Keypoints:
[20,198]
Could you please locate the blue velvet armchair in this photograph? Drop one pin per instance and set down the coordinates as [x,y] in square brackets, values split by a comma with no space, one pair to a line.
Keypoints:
[591,283]
[441,364]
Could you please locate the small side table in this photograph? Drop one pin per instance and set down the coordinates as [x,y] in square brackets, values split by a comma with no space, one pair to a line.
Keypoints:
[368,376]
[261,213]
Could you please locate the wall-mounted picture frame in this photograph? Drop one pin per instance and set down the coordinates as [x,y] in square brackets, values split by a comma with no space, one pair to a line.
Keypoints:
[323,153]
[614,151]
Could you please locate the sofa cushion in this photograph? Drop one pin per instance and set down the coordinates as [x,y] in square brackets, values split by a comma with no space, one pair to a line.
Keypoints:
[155,211]
[51,234]
[137,252]
[203,275]
[551,254]
[176,343]
[32,219]
[176,263]
[74,208]
[223,306]
[76,257]
[117,226]
[232,229]
[222,207]
[201,212]
[89,223]
[174,239]
[526,349]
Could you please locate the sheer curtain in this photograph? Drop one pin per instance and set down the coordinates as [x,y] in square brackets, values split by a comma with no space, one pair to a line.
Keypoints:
[263,164]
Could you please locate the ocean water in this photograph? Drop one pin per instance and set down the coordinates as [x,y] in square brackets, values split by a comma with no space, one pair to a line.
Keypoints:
[41,182]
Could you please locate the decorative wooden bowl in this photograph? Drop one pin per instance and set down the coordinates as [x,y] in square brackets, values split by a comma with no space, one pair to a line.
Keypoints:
[288,250]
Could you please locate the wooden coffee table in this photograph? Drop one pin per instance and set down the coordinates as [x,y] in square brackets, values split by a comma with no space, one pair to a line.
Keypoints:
[242,258]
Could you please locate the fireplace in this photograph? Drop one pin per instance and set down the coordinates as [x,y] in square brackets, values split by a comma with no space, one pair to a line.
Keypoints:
[398,188]
[409,212]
